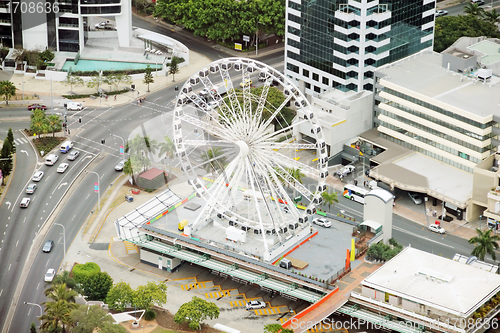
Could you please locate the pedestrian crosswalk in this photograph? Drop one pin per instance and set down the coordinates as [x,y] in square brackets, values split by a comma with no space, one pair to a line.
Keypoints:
[20,141]
[197,285]
[222,293]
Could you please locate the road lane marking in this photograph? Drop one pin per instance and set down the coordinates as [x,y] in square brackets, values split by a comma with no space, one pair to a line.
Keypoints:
[17,243]
[9,267]
[47,178]
[1,292]
[29,311]
[73,218]
[24,220]
[421,237]
[47,263]
[38,286]
[87,196]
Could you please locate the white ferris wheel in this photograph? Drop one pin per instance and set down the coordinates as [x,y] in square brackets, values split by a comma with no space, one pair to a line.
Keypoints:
[229,138]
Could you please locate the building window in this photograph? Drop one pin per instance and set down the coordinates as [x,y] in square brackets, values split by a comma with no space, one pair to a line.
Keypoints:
[305,72]
[317,89]
[315,77]
[325,80]
[292,67]
[308,85]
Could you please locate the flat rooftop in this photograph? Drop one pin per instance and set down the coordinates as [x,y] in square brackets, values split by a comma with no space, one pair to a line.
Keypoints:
[424,74]
[489,51]
[435,281]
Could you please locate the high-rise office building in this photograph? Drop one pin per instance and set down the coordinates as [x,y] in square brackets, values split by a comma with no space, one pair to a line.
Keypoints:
[340,43]
[62,25]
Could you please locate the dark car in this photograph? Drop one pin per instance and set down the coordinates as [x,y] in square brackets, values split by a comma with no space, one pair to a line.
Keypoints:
[47,247]
[37,106]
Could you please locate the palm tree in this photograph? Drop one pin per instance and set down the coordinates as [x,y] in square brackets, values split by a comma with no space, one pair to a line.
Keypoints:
[484,243]
[474,10]
[329,198]
[59,292]
[213,160]
[167,148]
[56,314]
[297,174]
[37,125]
[54,123]
[491,16]
[139,149]
[64,278]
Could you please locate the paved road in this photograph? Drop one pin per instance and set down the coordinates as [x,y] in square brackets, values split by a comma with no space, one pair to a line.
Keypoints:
[459,9]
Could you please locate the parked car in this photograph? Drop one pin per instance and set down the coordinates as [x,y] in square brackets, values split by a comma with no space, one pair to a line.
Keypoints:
[37,106]
[62,167]
[47,247]
[415,198]
[49,276]
[246,83]
[252,305]
[31,188]
[119,166]
[437,228]
[441,12]
[73,155]
[38,176]
[322,222]
[25,202]
[477,2]
[346,170]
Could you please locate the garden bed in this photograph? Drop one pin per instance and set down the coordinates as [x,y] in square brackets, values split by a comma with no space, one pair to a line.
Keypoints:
[45,143]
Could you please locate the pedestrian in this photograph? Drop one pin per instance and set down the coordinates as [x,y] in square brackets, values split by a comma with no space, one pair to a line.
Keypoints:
[115,97]
[355,182]
[435,213]
[69,131]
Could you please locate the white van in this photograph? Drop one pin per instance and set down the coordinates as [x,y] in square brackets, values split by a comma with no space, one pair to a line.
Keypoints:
[51,159]
[73,106]
[66,146]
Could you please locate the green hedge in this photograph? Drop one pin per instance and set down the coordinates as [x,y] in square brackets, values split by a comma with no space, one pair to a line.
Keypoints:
[117,92]
[113,72]
[82,271]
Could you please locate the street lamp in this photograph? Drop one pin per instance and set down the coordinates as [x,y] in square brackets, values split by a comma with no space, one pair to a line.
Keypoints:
[123,154]
[98,190]
[64,239]
[426,198]
[41,310]
[257,38]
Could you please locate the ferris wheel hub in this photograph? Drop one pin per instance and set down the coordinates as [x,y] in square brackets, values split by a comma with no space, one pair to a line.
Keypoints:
[244,149]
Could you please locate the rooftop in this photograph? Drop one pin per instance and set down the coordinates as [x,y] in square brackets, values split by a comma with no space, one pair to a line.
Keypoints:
[424,74]
[438,282]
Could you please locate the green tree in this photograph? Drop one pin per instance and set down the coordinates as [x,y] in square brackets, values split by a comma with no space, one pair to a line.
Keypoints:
[59,292]
[140,148]
[54,123]
[485,243]
[73,80]
[297,175]
[5,160]
[473,9]
[33,328]
[145,296]
[47,55]
[82,271]
[276,328]
[213,160]
[56,314]
[148,76]
[92,319]
[110,80]
[96,82]
[122,78]
[97,286]
[173,67]
[119,296]
[7,90]
[167,149]
[329,198]
[450,28]
[491,16]
[10,137]
[195,312]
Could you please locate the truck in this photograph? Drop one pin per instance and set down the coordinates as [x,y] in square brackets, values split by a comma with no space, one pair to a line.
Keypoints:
[74,106]
[220,89]
[66,146]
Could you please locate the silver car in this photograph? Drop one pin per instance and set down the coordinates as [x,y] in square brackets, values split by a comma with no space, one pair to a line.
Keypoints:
[31,189]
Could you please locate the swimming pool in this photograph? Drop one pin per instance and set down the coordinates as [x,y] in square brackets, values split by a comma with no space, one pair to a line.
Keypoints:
[85,65]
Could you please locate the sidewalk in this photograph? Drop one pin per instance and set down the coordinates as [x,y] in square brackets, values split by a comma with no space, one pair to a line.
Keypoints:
[448,3]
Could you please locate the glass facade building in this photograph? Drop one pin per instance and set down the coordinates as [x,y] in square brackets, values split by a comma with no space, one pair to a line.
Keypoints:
[340,43]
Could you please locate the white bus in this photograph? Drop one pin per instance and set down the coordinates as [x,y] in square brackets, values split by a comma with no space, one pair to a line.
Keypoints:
[355,193]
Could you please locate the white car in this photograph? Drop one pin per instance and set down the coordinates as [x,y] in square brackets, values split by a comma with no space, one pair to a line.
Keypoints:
[31,189]
[415,198]
[119,166]
[49,276]
[73,155]
[437,228]
[38,176]
[25,202]
[346,170]
[441,12]
[252,305]
[62,167]
[322,222]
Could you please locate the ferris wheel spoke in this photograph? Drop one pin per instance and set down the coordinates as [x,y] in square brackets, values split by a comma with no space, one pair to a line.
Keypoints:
[274,115]
[217,131]
[199,143]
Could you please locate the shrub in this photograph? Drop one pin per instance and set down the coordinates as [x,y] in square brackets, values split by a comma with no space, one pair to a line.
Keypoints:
[82,271]
[149,315]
